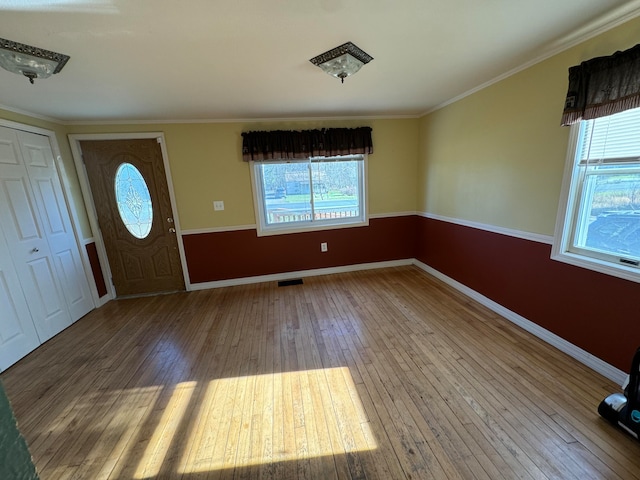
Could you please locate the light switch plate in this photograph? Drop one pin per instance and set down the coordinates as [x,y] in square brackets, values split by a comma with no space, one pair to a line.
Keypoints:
[218,205]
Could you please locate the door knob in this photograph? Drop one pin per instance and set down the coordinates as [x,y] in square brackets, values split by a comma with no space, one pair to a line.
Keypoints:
[172,230]
[170,220]
[35,250]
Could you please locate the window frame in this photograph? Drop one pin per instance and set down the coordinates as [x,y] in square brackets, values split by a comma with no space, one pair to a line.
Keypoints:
[263,229]
[569,215]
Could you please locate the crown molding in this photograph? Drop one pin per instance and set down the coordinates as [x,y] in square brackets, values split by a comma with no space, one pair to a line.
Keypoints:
[31,114]
[239,120]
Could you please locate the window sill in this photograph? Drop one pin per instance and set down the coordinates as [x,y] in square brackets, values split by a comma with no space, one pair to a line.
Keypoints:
[597,265]
[311,228]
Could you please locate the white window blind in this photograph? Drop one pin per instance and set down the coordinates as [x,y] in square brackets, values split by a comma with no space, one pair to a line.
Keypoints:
[611,140]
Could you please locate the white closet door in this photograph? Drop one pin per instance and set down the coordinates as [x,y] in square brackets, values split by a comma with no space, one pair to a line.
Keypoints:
[39,160]
[17,334]
[27,243]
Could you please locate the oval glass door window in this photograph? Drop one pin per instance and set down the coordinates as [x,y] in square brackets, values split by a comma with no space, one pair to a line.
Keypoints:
[134,201]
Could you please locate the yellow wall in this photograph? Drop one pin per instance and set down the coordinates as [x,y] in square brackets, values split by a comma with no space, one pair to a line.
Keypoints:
[497,156]
[206,165]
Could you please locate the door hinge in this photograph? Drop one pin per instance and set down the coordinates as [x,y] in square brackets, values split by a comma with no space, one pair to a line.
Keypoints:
[112,282]
[159,140]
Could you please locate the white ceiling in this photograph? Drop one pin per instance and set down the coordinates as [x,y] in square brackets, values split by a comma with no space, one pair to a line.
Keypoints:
[249,59]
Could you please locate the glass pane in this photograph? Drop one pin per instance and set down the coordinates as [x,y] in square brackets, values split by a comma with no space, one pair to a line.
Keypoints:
[611,209]
[335,189]
[134,201]
[286,188]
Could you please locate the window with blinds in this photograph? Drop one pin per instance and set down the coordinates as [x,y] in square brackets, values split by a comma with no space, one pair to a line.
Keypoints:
[602,218]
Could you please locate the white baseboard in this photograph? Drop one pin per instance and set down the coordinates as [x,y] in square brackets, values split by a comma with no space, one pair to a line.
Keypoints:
[560,343]
[299,274]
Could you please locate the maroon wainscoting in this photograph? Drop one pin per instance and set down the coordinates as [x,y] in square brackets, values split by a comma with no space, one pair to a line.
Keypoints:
[241,253]
[92,252]
[593,311]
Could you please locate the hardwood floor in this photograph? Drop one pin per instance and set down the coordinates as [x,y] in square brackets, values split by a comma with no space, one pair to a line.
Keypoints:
[383,374]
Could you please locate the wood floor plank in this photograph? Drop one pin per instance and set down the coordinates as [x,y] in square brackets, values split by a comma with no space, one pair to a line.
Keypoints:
[378,374]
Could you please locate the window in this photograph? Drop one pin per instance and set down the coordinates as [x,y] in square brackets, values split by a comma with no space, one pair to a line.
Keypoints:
[312,194]
[134,200]
[599,219]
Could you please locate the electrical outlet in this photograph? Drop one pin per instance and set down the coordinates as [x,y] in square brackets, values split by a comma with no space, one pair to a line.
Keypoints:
[323,247]
[218,205]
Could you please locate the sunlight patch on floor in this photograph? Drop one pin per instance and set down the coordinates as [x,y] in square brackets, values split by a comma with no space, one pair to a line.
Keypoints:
[113,418]
[159,444]
[262,419]
[277,417]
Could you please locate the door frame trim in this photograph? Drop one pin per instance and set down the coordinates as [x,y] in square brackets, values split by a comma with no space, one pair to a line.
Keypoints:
[66,193]
[76,151]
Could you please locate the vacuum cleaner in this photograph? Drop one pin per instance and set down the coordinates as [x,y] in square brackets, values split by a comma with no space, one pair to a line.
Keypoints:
[624,410]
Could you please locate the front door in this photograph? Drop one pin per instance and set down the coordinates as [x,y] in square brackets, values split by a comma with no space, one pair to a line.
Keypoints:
[131,196]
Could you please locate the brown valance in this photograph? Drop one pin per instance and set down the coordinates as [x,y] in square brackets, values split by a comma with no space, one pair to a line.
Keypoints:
[327,142]
[603,86]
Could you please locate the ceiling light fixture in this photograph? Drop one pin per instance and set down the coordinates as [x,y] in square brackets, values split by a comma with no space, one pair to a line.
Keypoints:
[342,61]
[32,62]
